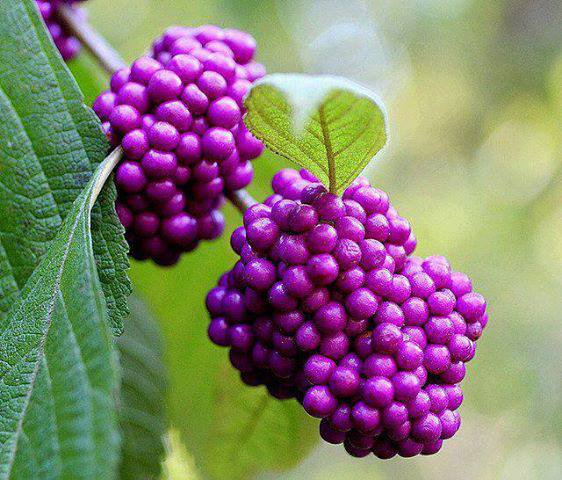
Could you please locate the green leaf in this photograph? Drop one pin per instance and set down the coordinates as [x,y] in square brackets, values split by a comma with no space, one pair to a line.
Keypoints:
[252,431]
[50,144]
[89,75]
[57,362]
[110,252]
[328,125]
[233,431]
[143,396]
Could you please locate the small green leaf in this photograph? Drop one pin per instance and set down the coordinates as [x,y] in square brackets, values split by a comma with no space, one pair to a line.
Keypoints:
[50,144]
[57,362]
[328,125]
[143,395]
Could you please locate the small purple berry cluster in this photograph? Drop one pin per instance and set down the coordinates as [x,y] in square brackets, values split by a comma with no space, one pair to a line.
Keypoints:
[178,116]
[68,45]
[327,305]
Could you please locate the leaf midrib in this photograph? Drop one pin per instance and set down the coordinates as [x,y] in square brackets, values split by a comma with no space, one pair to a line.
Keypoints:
[41,349]
[88,197]
[329,149]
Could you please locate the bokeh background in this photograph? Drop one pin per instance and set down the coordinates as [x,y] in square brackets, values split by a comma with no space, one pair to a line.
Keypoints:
[473,89]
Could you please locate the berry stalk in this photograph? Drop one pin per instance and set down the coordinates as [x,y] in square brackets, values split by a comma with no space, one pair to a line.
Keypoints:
[103,52]
[111,61]
[242,200]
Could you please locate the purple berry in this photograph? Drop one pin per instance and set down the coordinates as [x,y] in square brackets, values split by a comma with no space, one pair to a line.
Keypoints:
[378,391]
[406,385]
[365,418]
[427,429]
[319,401]
[344,382]
[330,434]
[330,318]
[361,303]
[379,365]
[409,356]
[419,405]
[386,338]
[318,369]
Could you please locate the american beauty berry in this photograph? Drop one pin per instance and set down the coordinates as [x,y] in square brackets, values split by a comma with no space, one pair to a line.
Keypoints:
[327,305]
[177,114]
[68,45]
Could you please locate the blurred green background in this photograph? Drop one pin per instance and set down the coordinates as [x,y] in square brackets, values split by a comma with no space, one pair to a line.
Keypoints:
[473,90]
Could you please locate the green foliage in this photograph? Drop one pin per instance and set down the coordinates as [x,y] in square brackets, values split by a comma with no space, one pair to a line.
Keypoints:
[50,144]
[143,395]
[252,431]
[179,464]
[325,124]
[57,363]
[89,76]
[58,370]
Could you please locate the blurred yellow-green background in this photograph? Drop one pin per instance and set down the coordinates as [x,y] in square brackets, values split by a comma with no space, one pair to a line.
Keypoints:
[473,90]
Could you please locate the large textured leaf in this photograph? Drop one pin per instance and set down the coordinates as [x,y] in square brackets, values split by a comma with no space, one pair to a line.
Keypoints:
[57,363]
[142,416]
[143,396]
[328,125]
[50,144]
[233,431]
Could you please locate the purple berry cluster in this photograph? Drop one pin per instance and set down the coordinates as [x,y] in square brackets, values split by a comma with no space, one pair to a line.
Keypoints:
[68,45]
[178,116]
[327,305]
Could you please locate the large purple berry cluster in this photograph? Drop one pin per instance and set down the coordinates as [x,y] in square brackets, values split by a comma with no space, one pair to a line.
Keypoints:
[178,116]
[68,45]
[327,305]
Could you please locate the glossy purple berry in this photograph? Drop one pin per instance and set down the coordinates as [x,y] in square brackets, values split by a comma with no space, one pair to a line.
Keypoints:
[319,401]
[318,369]
[378,391]
[344,382]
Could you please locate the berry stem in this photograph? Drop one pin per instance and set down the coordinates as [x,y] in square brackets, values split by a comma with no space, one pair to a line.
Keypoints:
[102,51]
[111,161]
[110,60]
[241,199]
